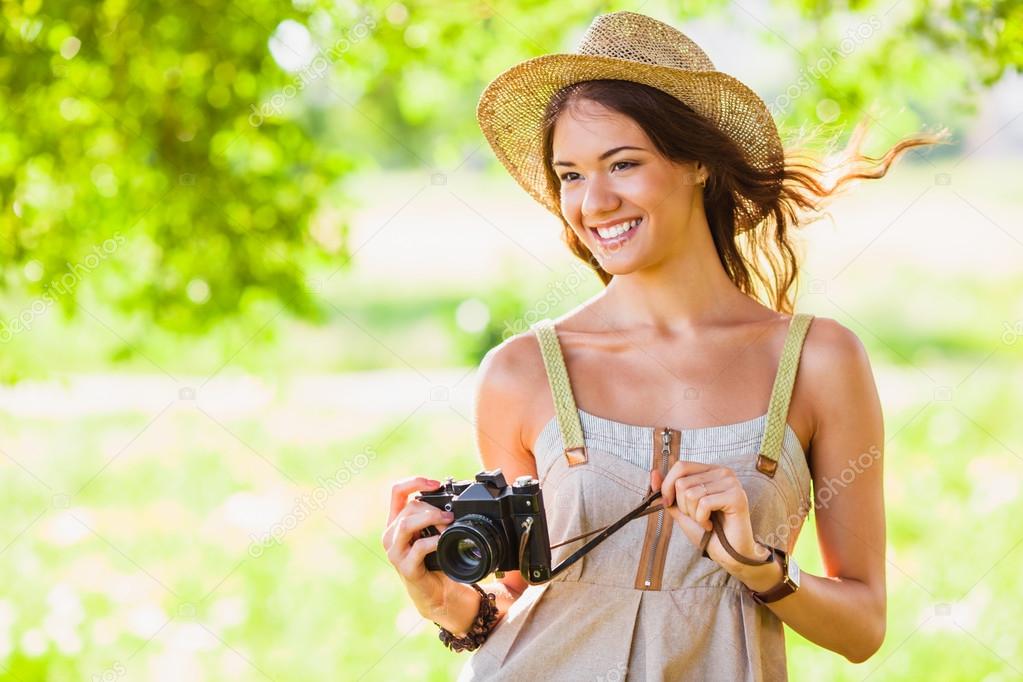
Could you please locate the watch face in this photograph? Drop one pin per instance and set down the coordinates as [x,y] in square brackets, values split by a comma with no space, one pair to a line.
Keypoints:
[793,572]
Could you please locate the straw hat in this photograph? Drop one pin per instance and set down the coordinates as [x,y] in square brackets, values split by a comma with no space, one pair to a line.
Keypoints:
[621,46]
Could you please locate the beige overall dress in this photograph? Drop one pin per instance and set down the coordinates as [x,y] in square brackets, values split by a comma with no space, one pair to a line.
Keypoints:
[644,605]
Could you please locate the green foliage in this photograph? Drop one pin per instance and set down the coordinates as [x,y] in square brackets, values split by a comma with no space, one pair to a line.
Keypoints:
[983,36]
[129,151]
[162,155]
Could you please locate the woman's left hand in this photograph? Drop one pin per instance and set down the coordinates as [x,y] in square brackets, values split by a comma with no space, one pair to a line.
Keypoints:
[700,489]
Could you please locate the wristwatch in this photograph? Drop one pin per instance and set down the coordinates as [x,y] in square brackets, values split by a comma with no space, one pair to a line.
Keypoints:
[789,580]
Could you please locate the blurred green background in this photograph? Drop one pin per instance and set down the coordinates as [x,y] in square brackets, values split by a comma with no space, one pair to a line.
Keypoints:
[253,252]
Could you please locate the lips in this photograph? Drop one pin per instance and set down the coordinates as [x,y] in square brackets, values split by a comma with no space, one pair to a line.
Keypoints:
[619,239]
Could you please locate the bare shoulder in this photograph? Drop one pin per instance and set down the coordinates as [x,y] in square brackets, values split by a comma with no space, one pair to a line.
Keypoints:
[836,371]
[509,380]
[513,369]
[832,350]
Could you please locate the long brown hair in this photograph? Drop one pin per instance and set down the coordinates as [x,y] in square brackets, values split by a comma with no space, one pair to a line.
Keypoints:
[756,253]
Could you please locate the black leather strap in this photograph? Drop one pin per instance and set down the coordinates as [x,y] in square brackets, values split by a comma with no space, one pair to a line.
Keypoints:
[643,508]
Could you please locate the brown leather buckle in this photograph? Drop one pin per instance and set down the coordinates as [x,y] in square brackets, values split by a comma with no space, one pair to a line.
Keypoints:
[766,465]
[576,456]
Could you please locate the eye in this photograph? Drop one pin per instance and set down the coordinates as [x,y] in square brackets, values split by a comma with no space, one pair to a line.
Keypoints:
[627,164]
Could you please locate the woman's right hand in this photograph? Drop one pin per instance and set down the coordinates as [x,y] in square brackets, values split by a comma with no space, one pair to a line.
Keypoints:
[407,551]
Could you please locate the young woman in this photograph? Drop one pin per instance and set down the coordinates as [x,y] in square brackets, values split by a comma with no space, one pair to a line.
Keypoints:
[671,183]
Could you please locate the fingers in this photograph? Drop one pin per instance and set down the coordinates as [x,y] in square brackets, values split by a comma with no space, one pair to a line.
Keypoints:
[411,508]
[407,526]
[699,503]
[405,487]
[413,565]
[710,503]
[655,479]
[686,490]
[690,489]
[680,470]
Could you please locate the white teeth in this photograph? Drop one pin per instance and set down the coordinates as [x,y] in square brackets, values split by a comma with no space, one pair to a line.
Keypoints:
[611,232]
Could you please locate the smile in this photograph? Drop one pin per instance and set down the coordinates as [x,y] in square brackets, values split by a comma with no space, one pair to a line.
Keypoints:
[617,234]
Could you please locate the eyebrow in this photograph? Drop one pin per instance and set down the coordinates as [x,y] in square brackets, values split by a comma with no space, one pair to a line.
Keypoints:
[603,156]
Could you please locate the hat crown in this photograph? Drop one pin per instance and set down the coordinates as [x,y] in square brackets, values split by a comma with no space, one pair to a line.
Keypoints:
[639,38]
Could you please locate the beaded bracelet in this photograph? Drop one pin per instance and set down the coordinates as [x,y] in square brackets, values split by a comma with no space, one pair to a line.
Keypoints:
[484,622]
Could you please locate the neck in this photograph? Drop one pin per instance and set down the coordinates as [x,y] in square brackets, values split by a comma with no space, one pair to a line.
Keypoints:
[688,290]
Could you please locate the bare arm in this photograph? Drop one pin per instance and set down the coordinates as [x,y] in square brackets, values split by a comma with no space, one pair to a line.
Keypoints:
[499,405]
[844,611]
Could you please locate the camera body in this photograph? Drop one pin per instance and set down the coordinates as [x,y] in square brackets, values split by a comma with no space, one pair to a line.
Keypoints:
[491,519]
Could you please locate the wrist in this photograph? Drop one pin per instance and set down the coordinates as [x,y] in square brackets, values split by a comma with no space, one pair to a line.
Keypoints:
[456,610]
[759,578]
[485,620]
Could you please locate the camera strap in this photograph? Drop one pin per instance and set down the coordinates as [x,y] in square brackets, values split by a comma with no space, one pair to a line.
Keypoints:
[642,510]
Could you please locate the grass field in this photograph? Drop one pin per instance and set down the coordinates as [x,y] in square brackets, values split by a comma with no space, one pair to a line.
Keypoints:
[210,509]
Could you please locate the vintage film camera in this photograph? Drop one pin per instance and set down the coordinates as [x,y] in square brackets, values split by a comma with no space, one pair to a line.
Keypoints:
[497,527]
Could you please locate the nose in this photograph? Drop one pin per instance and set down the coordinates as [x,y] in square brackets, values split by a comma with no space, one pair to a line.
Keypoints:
[599,200]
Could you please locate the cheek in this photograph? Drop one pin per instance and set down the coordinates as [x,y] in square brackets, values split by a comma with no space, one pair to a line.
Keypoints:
[670,202]
[571,209]
[651,191]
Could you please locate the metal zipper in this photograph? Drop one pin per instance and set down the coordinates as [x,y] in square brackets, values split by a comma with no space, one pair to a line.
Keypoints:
[665,454]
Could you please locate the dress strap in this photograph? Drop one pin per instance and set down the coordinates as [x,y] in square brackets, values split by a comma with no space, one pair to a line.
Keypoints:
[781,394]
[561,389]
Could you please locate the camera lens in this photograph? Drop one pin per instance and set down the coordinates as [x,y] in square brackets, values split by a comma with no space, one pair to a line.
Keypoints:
[470,549]
[469,552]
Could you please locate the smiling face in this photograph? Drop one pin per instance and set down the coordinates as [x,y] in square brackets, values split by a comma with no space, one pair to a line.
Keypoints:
[633,182]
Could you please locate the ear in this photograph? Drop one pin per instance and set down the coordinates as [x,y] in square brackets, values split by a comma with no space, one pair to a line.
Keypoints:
[700,173]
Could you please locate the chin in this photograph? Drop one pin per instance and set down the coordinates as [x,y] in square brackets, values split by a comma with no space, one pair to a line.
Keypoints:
[620,267]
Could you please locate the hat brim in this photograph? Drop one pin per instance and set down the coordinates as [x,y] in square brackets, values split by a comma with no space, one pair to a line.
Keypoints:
[511,107]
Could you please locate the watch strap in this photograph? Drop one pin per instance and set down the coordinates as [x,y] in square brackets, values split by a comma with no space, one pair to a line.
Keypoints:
[784,588]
